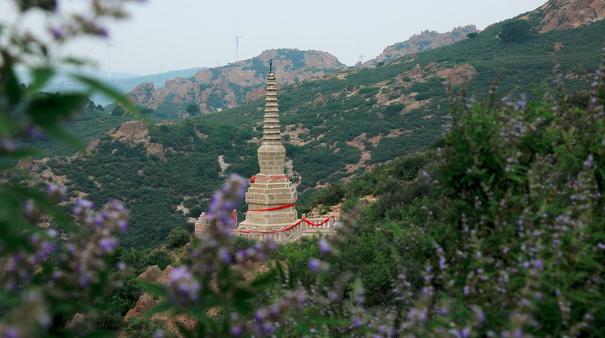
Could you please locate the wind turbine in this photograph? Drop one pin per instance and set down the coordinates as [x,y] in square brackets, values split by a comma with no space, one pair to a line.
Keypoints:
[361,57]
[109,46]
[237,38]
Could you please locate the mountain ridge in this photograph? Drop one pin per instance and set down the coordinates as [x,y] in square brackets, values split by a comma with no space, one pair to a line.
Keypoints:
[425,41]
[228,86]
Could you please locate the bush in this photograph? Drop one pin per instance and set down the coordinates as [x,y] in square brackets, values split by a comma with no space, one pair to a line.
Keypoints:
[192,109]
[515,31]
[177,238]
[195,212]
[158,257]
[117,111]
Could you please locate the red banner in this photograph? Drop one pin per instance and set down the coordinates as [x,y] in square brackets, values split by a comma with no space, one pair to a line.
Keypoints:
[288,228]
[281,207]
[276,177]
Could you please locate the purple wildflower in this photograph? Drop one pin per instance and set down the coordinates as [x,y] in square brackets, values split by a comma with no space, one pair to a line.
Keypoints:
[314,265]
[81,206]
[8,145]
[261,314]
[11,332]
[226,200]
[479,314]
[35,133]
[224,255]
[122,225]
[29,209]
[539,264]
[236,331]
[108,245]
[589,162]
[356,323]
[57,32]
[324,247]
[102,32]
[183,287]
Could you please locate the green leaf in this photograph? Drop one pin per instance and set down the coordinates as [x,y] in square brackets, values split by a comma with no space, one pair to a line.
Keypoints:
[40,77]
[12,87]
[158,308]
[48,110]
[264,279]
[241,301]
[100,334]
[153,289]
[64,136]
[109,91]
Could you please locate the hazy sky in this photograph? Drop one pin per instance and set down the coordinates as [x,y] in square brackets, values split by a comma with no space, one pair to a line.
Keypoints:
[167,35]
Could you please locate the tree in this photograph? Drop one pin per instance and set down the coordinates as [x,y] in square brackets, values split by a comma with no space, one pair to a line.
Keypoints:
[193,109]
[515,31]
[177,238]
[117,111]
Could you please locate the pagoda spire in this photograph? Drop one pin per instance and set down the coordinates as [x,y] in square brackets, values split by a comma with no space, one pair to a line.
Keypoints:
[271,126]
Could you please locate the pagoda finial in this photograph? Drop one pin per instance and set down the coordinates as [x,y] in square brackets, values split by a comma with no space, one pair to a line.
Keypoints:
[271,128]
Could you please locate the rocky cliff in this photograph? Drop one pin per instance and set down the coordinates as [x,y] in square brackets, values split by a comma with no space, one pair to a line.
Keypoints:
[568,14]
[422,42]
[226,87]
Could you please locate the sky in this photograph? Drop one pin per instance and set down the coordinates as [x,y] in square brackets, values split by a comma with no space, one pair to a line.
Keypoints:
[164,35]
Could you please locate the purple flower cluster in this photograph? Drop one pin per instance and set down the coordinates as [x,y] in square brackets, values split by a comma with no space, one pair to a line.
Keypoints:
[226,200]
[183,288]
[269,318]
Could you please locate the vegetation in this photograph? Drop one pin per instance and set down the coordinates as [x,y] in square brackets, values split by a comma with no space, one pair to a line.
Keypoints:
[504,218]
[153,187]
[495,230]
[334,111]
[515,31]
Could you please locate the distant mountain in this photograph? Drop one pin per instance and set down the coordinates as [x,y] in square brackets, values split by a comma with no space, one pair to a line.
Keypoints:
[122,81]
[127,84]
[566,14]
[423,42]
[229,86]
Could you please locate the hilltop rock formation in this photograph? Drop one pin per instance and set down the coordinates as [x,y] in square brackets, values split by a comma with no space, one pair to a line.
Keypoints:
[134,133]
[569,14]
[229,86]
[422,42]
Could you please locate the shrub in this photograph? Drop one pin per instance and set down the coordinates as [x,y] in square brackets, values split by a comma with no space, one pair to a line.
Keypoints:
[177,238]
[157,257]
[195,212]
[515,31]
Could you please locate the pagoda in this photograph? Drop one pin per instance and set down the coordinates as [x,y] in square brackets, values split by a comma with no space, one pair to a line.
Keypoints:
[271,196]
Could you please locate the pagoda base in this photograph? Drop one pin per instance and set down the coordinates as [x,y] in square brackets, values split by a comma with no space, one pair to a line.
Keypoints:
[286,233]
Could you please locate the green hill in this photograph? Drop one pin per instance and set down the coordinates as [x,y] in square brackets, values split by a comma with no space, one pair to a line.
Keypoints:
[335,128]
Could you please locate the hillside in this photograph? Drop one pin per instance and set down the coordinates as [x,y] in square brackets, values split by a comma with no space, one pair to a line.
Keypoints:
[422,42]
[335,128]
[226,87]
[505,214]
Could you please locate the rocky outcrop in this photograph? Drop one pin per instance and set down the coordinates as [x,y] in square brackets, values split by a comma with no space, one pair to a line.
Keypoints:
[134,133]
[229,86]
[569,14]
[458,75]
[422,42]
